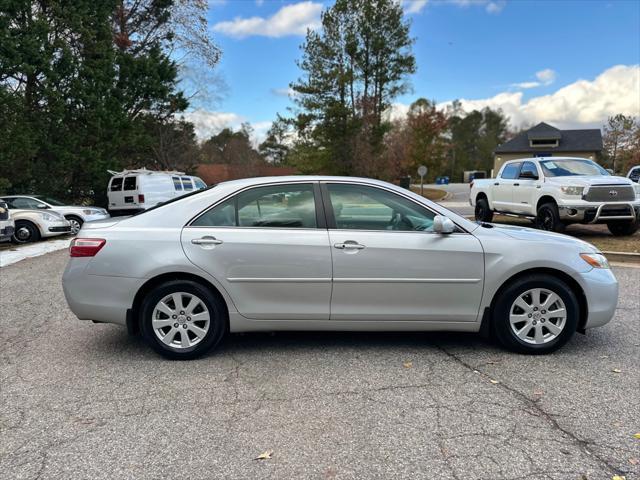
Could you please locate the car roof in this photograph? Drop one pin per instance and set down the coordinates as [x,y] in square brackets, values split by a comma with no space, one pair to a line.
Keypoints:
[301,178]
[531,159]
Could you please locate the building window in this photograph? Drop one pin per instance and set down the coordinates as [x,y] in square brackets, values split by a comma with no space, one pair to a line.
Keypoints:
[544,143]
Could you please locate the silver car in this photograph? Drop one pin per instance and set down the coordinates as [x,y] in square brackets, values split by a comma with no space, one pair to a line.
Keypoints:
[32,225]
[75,214]
[330,253]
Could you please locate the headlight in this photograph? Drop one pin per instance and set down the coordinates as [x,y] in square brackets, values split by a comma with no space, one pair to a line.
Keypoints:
[637,189]
[48,217]
[89,211]
[596,260]
[572,190]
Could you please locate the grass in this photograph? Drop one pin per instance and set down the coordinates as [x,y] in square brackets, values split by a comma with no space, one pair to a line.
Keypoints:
[434,194]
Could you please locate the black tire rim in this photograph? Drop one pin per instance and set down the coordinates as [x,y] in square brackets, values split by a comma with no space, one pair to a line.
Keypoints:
[546,220]
[23,234]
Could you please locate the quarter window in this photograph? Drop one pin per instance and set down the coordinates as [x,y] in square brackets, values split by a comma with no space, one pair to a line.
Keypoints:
[510,172]
[277,206]
[359,207]
[186,183]
[130,183]
[177,185]
[116,184]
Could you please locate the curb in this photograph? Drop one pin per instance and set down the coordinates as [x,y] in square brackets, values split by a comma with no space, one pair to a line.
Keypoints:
[623,257]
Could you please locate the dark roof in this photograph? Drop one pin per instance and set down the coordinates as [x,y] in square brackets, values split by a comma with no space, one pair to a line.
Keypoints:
[587,140]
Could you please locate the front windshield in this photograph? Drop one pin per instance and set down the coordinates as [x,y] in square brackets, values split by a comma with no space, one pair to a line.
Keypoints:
[50,201]
[571,168]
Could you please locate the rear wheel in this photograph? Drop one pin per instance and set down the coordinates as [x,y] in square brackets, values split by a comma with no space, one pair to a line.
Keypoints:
[76,224]
[182,320]
[536,314]
[548,218]
[483,211]
[620,229]
[25,232]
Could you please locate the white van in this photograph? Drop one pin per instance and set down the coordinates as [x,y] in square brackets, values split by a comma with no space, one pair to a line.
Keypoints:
[132,191]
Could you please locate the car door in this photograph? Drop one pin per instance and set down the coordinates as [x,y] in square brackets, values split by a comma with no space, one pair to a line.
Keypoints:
[524,189]
[115,195]
[502,189]
[269,247]
[388,264]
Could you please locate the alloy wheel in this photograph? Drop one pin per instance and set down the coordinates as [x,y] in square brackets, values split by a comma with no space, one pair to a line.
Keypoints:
[537,316]
[75,226]
[181,320]
[23,234]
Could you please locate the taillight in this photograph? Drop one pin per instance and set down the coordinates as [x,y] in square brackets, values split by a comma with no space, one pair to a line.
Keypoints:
[140,198]
[86,247]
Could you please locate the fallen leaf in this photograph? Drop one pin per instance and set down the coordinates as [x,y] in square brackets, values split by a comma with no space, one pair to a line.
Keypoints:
[538,392]
[407,364]
[637,435]
[604,356]
[476,371]
[265,455]
[634,461]
[494,381]
[616,370]
[618,477]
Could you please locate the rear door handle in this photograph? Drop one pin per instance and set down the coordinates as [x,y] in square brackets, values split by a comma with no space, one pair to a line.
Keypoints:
[348,245]
[496,183]
[516,184]
[206,241]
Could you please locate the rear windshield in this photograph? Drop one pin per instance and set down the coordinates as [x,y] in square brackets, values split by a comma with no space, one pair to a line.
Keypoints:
[130,183]
[116,184]
[175,199]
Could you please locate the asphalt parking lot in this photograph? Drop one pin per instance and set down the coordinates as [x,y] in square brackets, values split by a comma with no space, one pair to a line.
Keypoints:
[86,401]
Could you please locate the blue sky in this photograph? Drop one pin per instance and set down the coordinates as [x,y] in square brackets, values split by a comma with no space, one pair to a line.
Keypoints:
[568,62]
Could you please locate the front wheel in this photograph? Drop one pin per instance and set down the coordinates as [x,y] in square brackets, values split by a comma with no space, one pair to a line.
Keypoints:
[548,218]
[536,314]
[182,320]
[620,229]
[25,232]
[75,223]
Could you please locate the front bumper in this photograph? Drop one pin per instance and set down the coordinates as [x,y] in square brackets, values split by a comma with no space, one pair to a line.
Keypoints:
[601,291]
[599,212]
[58,227]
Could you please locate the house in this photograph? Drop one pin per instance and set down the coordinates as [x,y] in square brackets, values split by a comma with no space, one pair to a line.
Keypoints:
[544,140]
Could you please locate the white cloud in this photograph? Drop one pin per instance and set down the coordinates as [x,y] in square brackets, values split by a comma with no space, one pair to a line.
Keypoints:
[495,7]
[292,19]
[208,123]
[581,104]
[545,78]
[491,6]
[413,6]
[284,92]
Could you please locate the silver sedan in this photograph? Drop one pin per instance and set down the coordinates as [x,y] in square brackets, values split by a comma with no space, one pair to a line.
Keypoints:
[330,253]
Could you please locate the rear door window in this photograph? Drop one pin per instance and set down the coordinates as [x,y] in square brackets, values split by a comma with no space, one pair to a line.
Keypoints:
[130,183]
[511,171]
[177,184]
[529,168]
[116,184]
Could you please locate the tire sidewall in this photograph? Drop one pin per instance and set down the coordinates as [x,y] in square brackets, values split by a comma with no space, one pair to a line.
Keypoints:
[501,325]
[482,211]
[217,322]
[552,211]
[33,233]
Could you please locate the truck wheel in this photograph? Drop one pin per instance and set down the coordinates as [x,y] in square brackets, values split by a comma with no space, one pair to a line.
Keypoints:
[483,211]
[548,218]
[620,229]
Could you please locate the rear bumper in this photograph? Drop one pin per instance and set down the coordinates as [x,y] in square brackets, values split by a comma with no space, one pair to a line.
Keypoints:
[97,297]
[601,291]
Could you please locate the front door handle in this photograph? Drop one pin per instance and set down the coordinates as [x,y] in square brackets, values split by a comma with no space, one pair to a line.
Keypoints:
[496,184]
[206,241]
[516,184]
[348,245]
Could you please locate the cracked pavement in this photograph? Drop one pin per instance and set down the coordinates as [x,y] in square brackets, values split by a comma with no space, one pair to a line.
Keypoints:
[81,400]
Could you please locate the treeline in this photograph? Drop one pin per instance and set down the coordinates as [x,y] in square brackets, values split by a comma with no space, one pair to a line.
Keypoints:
[88,86]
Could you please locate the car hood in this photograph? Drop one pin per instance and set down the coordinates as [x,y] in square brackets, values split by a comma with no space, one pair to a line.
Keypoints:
[104,223]
[532,235]
[587,180]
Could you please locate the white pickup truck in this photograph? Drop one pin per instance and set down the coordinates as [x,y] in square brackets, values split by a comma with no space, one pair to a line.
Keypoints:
[557,191]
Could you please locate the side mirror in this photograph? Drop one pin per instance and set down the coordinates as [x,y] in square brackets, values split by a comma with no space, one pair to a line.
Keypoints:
[42,206]
[610,171]
[529,176]
[442,224]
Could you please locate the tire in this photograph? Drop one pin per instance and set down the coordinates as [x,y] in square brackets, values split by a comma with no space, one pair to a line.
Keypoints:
[548,218]
[516,330]
[25,232]
[483,211]
[159,321]
[76,224]
[620,229]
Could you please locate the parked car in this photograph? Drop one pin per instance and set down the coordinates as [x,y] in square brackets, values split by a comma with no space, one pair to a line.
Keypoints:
[556,191]
[77,215]
[330,253]
[133,191]
[7,225]
[32,225]
[634,174]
